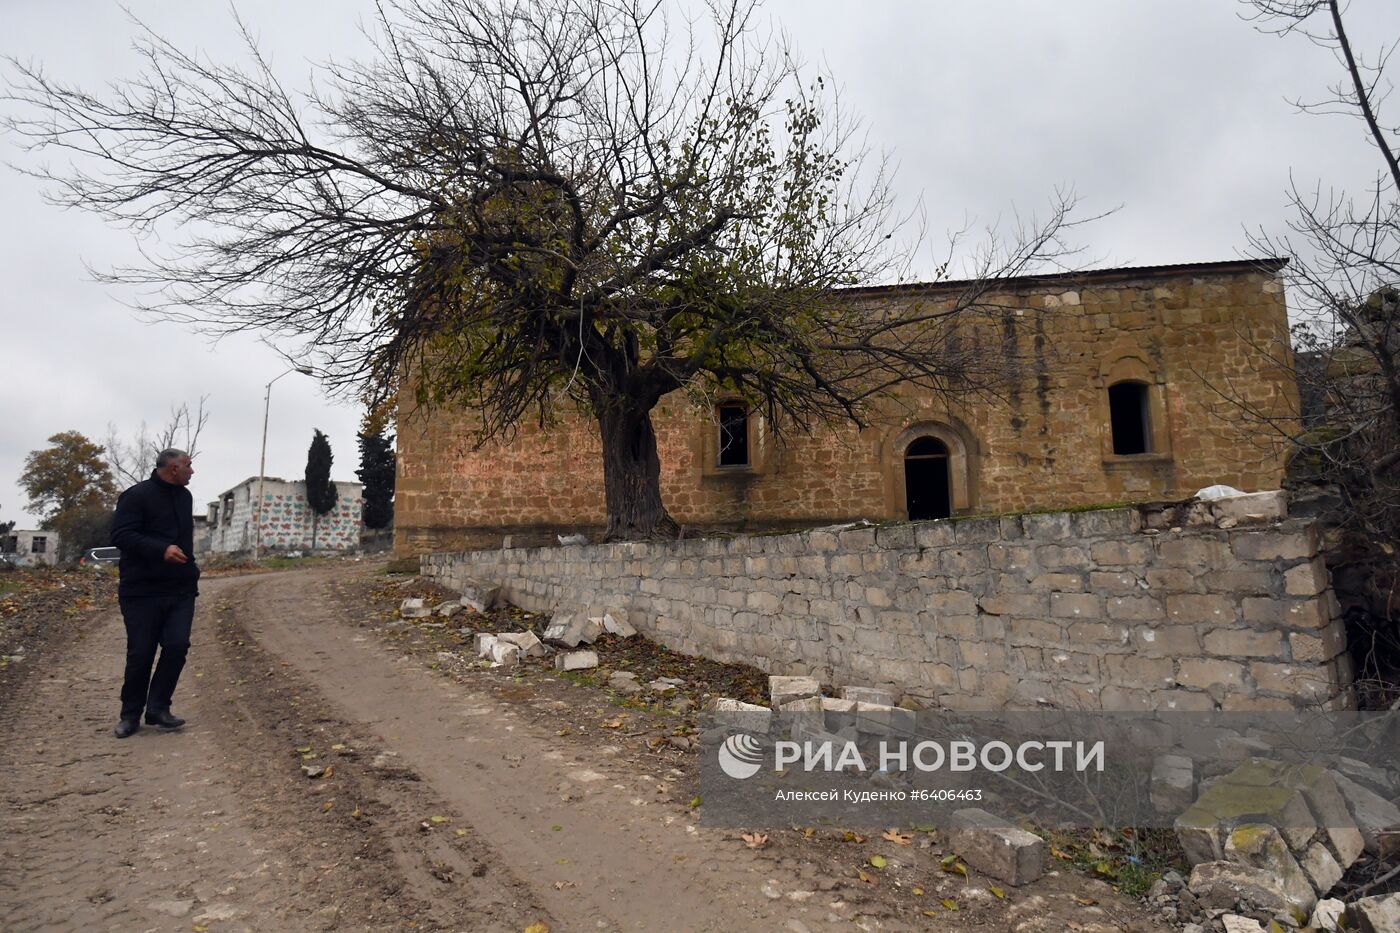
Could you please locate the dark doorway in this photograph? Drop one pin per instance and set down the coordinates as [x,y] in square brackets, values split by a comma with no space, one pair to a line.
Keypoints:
[1127,410]
[927,490]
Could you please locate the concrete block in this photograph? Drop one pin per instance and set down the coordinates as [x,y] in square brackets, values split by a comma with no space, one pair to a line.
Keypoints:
[1220,885]
[575,660]
[1262,846]
[413,608]
[740,715]
[868,695]
[782,689]
[1234,923]
[1173,787]
[447,610]
[1321,868]
[530,646]
[484,642]
[480,597]
[569,630]
[1253,507]
[1225,804]
[1377,819]
[1327,915]
[877,719]
[812,705]
[615,623]
[1324,800]
[1375,914]
[1005,852]
[504,654]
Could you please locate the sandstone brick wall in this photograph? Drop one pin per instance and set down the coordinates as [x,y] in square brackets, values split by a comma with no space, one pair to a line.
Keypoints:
[1045,445]
[1083,610]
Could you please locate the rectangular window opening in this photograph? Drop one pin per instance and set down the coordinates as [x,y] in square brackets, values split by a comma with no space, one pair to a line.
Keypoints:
[1127,404]
[38,545]
[733,435]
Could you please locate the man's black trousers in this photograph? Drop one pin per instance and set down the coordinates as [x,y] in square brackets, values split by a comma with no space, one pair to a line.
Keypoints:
[154,622]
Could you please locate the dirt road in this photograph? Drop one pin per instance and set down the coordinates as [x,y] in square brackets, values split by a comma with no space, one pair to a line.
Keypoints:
[442,804]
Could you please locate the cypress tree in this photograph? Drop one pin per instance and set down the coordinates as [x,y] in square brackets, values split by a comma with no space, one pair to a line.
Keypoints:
[321,493]
[377,473]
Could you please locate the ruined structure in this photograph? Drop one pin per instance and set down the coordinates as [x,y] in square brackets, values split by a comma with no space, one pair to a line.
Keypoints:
[1121,398]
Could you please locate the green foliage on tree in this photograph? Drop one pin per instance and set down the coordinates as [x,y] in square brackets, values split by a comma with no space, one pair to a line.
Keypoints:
[321,493]
[376,472]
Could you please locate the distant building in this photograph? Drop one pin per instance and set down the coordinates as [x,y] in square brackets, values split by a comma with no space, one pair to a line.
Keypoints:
[286,519]
[30,548]
[201,534]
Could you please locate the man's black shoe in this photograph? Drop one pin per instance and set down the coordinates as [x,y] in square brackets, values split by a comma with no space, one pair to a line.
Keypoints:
[126,728]
[163,719]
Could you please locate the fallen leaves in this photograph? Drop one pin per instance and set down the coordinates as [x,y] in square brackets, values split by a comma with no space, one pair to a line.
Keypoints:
[894,835]
[755,840]
[953,865]
[878,861]
[539,926]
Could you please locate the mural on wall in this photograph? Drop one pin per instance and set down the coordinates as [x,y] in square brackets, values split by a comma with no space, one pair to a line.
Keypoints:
[286,520]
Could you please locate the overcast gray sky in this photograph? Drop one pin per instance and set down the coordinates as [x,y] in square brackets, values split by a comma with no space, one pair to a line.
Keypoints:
[1174,109]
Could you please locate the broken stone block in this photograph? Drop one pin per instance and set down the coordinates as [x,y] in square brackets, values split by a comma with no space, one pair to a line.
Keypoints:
[740,715]
[615,623]
[1173,787]
[447,610]
[1375,914]
[1227,803]
[838,713]
[529,645]
[990,846]
[1377,819]
[624,682]
[569,630]
[876,719]
[868,695]
[1321,868]
[1261,846]
[661,686]
[413,608]
[575,660]
[1323,799]
[480,597]
[1220,885]
[504,654]
[1367,775]
[484,641]
[804,705]
[1327,915]
[1269,506]
[783,689]
[1234,923]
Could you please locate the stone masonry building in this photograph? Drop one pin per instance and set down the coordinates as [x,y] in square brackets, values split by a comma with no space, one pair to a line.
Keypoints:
[1129,392]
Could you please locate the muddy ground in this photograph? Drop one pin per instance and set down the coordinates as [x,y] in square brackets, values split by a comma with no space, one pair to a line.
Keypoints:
[345,771]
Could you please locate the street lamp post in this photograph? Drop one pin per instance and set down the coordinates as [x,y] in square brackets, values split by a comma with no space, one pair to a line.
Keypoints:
[262,459]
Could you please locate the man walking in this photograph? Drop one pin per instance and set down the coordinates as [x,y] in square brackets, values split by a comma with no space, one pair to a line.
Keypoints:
[154,527]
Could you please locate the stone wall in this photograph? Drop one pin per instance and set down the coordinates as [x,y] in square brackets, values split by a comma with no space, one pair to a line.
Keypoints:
[1087,610]
[287,517]
[1045,444]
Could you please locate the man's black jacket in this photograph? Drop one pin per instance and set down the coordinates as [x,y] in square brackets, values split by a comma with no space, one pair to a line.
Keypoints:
[151,516]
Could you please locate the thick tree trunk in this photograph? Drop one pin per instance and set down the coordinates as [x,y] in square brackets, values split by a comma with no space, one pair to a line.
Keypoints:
[632,477]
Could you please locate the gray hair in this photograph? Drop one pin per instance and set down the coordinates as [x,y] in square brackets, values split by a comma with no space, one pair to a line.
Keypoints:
[167,455]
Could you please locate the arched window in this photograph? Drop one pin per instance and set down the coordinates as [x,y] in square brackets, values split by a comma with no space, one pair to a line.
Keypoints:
[927,482]
[1129,418]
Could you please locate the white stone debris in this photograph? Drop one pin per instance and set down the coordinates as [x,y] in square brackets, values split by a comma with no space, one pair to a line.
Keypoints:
[479,597]
[994,848]
[575,660]
[413,608]
[569,630]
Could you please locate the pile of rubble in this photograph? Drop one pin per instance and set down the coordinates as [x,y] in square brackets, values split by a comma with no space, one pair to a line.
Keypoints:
[561,638]
[1269,841]
[862,715]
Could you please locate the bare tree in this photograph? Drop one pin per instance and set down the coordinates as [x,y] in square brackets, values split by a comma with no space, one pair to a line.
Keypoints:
[515,206]
[132,459]
[1343,274]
